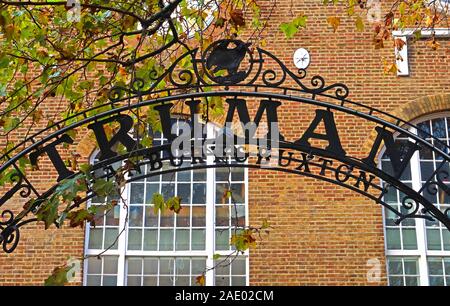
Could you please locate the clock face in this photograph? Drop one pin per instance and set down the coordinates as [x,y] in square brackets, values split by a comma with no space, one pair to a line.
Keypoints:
[301,58]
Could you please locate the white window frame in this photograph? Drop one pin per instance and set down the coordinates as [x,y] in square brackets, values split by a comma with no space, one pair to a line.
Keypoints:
[421,232]
[122,253]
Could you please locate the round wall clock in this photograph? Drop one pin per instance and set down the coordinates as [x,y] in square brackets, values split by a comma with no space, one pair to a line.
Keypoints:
[301,58]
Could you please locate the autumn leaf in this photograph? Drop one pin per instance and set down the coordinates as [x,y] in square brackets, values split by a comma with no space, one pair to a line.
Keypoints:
[389,19]
[399,43]
[433,44]
[58,277]
[227,194]
[78,217]
[243,241]
[359,23]
[174,204]
[334,22]
[390,68]
[237,17]
[48,211]
[200,280]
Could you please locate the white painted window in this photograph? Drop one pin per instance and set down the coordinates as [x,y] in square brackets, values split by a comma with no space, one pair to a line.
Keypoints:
[417,250]
[168,248]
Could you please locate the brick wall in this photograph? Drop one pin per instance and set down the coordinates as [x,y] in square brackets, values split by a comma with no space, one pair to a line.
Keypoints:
[322,234]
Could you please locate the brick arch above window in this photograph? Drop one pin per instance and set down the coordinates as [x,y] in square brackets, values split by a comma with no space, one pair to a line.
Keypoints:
[415,109]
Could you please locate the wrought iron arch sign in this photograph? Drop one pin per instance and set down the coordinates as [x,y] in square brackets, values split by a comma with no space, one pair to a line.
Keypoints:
[229,69]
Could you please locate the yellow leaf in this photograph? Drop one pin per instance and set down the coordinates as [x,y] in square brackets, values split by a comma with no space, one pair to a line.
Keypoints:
[359,23]
[334,22]
[200,280]
[433,44]
[390,68]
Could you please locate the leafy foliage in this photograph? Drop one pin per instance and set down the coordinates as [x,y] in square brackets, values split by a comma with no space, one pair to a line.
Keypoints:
[291,28]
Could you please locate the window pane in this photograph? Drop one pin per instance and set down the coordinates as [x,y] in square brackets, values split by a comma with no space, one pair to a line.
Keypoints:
[150,281]
[134,266]
[411,267]
[110,280]
[411,281]
[222,215]
[435,267]
[396,281]
[133,281]
[433,239]
[94,280]
[182,240]
[222,240]
[134,239]
[112,216]
[199,196]
[151,220]
[135,218]
[183,217]
[166,240]
[395,267]
[167,218]
[409,239]
[137,193]
[184,192]
[198,239]
[198,216]
[182,266]
[238,281]
[150,266]
[393,238]
[150,240]
[110,238]
[150,190]
[109,265]
[95,238]
[94,265]
[437,281]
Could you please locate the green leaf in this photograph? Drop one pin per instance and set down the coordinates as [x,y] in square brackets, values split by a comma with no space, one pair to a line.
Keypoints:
[216,256]
[174,203]
[58,277]
[147,141]
[158,202]
[300,21]
[48,212]
[288,29]
[291,28]
[103,187]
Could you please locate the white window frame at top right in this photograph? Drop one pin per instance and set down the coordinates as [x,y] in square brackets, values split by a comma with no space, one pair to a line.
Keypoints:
[429,263]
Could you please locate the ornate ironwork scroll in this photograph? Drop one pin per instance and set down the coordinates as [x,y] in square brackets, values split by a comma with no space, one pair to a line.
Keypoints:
[232,69]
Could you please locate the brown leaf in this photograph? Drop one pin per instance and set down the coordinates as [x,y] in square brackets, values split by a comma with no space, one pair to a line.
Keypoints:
[399,43]
[200,280]
[388,19]
[237,17]
[334,22]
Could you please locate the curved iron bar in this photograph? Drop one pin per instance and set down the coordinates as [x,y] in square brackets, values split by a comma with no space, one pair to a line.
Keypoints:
[187,96]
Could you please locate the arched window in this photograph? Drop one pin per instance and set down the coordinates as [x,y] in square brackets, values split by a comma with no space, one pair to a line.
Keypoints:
[168,248]
[417,250]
